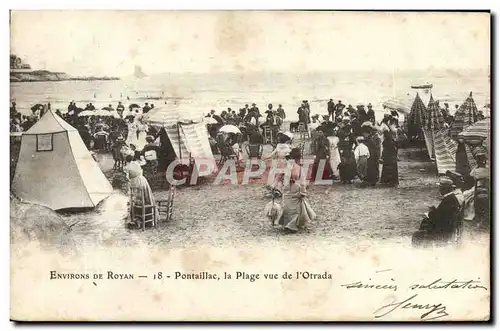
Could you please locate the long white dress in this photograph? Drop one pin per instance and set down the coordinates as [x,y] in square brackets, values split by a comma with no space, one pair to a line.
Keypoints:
[334,154]
[132,134]
[141,139]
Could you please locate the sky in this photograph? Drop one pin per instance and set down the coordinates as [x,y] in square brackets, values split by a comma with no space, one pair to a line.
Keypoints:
[111,43]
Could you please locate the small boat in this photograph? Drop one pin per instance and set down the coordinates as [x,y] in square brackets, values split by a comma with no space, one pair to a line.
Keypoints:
[424,86]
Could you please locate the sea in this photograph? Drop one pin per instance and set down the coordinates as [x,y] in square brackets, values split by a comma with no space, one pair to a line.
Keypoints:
[196,94]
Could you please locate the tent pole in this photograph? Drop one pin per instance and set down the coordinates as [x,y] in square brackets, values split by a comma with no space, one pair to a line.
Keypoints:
[179,135]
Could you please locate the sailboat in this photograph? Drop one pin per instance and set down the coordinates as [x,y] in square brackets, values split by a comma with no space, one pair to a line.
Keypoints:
[138,73]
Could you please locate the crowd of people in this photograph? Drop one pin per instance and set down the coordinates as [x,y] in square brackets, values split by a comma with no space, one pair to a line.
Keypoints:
[348,143]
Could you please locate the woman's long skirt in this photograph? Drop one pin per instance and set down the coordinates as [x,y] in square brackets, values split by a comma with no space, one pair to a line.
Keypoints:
[362,167]
[132,137]
[296,212]
[334,156]
[149,199]
[390,172]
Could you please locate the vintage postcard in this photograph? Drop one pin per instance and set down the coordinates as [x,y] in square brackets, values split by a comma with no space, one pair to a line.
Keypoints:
[250,166]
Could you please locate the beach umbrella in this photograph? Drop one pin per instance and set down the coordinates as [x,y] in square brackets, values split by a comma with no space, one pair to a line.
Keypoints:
[114,114]
[431,101]
[465,116]
[102,112]
[210,120]
[86,113]
[134,105]
[398,105]
[230,129]
[416,118]
[434,119]
[478,131]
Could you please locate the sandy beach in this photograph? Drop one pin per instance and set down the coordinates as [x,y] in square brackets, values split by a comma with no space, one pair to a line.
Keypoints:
[232,215]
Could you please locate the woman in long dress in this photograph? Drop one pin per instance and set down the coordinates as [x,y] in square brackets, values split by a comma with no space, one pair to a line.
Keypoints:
[132,132]
[334,155]
[373,167]
[142,133]
[296,212]
[322,154]
[133,171]
[390,161]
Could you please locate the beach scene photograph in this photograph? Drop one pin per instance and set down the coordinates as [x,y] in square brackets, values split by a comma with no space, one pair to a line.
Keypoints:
[189,155]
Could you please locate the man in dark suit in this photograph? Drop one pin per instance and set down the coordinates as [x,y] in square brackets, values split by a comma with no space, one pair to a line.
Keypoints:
[441,223]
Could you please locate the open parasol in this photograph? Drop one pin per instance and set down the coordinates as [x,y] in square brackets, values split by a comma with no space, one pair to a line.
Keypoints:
[398,105]
[86,113]
[230,129]
[210,120]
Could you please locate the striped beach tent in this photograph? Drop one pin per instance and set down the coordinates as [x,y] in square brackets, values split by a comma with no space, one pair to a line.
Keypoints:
[416,118]
[444,147]
[187,133]
[465,116]
[429,143]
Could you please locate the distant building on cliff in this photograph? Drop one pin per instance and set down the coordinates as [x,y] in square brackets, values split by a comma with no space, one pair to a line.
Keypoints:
[17,65]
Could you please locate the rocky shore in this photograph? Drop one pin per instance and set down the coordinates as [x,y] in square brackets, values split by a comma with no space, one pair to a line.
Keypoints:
[49,76]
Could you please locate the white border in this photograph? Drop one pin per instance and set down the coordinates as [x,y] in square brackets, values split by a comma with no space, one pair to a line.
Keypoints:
[185,5]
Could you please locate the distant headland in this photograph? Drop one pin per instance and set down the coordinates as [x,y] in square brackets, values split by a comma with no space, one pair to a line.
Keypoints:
[22,72]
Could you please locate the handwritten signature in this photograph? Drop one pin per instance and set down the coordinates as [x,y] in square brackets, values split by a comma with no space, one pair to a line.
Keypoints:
[432,311]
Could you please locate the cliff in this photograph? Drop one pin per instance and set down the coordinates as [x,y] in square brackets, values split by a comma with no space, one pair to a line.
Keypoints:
[48,76]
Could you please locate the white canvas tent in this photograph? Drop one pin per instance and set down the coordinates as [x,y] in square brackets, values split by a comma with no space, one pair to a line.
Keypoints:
[186,131]
[55,168]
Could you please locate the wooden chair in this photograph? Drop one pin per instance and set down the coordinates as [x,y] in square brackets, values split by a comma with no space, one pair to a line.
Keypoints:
[254,150]
[268,134]
[166,207]
[140,212]
[304,132]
